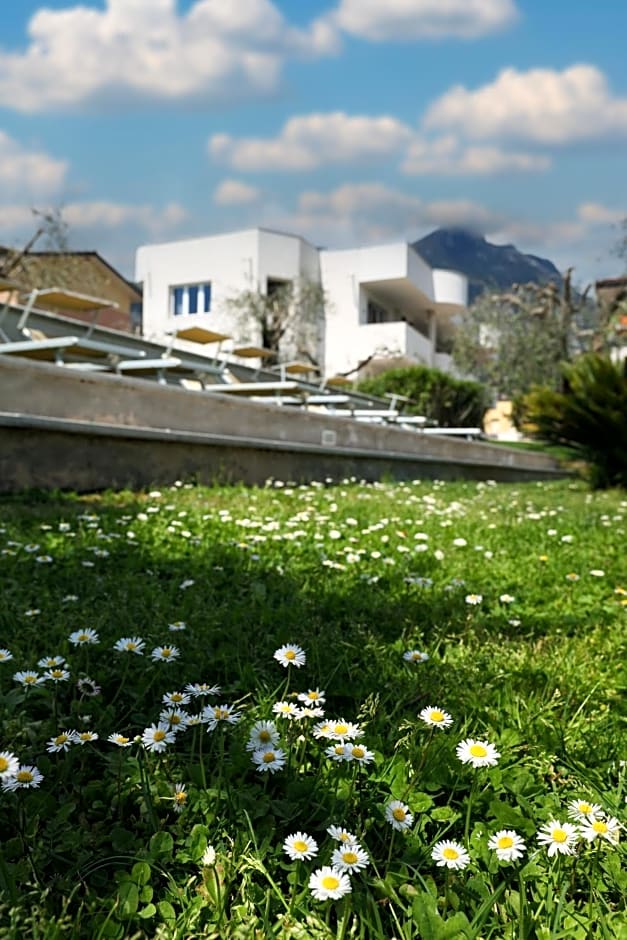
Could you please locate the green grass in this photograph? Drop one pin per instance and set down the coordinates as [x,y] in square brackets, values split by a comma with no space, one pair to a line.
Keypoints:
[357,576]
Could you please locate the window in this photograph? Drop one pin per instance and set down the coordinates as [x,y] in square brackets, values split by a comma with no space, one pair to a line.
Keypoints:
[376,313]
[188,299]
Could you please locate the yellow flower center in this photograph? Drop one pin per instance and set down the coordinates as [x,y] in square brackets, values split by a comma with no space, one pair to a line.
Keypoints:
[265,736]
[166,651]
[436,715]
[30,679]
[358,752]
[300,846]
[584,808]
[176,697]
[61,739]
[290,654]
[180,797]
[330,883]
[220,713]
[399,814]
[131,646]
[341,729]
[269,757]
[450,853]
[338,749]
[559,835]
[4,764]
[505,842]
[83,637]
[24,776]
[85,735]
[175,719]
[159,735]
[478,750]
[312,695]
[350,857]
[56,673]
[599,826]
[121,739]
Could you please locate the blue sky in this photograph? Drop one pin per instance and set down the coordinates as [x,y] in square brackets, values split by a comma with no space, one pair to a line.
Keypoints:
[346,121]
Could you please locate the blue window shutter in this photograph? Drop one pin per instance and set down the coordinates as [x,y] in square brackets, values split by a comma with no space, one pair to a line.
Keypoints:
[193,298]
[177,301]
[207,292]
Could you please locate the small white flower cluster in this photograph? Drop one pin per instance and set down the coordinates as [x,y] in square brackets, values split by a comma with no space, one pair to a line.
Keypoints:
[331,882]
[16,776]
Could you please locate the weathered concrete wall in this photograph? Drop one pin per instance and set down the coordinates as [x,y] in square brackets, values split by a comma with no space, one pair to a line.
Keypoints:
[62,428]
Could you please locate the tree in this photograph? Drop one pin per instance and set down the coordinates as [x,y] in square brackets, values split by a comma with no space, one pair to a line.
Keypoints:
[288,319]
[513,340]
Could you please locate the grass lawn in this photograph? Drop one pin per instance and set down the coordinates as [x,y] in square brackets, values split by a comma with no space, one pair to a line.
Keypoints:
[370,711]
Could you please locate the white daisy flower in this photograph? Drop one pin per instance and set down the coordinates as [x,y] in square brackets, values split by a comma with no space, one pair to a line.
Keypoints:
[268,759]
[336,752]
[119,739]
[176,698]
[213,715]
[180,797]
[175,718]
[157,737]
[398,815]
[477,753]
[130,644]
[307,711]
[56,675]
[177,626]
[358,753]
[329,883]
[5,655]
[312,697]
[607,829]
[28,678]
[9,765]
[51,662]
[286,709]
[322,729]
[165,654]
[415,656]
[435,717]
[508,845]
[198,689]
[473,599]
[583,811]
[26,777]
[449,854]
[342,730]
[291,655]
[300,846]
[341,835]
[84,737]
[262,734]
[61,742]
[558,837]
[84,637]
[350,858]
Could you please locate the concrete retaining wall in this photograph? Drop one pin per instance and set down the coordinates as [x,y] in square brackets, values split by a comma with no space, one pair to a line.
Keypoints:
[65,429]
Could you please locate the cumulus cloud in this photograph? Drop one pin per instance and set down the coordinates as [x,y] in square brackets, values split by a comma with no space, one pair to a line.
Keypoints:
[145,49]
[593,213]
[32,173]
[541,105]
[423,19]
[448,156]
[309,141]
[111,215]
[235,193]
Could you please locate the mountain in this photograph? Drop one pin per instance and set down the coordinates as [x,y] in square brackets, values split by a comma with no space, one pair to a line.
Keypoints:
[485,265]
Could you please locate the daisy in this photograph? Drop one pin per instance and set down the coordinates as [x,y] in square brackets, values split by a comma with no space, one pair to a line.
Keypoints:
[9,765]
[300,846]
[28,678]
[26,777]
[44,559]
[180,797]
[177,626]
[164,654]
[358,752]
[119,739]
[130,644]
[322,729]
[329,883]
[312,697]
[448,854]
[309,711]
[473,599]
[508,845]
[398,815]
[5,656]
[262,734]
[215,715]
[176,698]
[558,837]
[268,759]
[477,753]
[341,835]
[286,709]
[175,718]
[336,752]
[51,662]
[88,687]
[435,717]
[350,858]
[583,811]
[84,637]
[83,737]
[198,689]
[291,655]
[56,675]
[344,730]
[608,829]
[415,656]
[506,598]
[32,612]
[62,742]
[157,737]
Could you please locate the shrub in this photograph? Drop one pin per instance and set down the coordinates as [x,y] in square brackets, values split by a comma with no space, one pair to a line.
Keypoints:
[589,416]
[448,401]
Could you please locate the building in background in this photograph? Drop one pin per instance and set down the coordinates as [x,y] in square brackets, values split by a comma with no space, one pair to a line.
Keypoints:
[382,301]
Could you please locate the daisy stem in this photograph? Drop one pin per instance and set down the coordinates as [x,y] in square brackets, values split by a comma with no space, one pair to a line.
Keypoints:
[203,776]
[471,796]
[447,885]
[143,771]
[295,885]
[389,858]
[346,909]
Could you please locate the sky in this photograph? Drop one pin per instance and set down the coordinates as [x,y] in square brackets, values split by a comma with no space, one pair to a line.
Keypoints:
[349,122]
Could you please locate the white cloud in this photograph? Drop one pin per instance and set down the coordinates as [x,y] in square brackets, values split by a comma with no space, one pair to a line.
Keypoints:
[144,49]
[235,193]
[423,19]
[309,141]
[447,156]
[112,215]
[28,172]
[593,213]
[541,105]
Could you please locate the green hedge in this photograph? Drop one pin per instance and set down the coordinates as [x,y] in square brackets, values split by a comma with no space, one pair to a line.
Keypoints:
[448,401]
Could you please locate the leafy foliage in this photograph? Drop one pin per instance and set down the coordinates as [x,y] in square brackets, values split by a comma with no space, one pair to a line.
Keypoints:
[590,416]
[448,401]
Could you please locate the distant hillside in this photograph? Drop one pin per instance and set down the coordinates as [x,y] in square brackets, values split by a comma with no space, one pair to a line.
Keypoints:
[485,265]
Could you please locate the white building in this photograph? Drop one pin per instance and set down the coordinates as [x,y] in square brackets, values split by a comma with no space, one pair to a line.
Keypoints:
[383,300]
